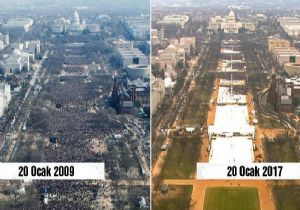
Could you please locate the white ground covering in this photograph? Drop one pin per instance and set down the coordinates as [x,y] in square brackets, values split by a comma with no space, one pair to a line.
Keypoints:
[169,82]
[226,97]
[228,61]
[229,69]
[231,119]
[231,150]
[230,51]
[227,82]
[226,65]
[231,135]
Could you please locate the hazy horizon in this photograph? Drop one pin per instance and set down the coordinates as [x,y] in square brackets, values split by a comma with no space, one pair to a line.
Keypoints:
[254,3]
[49,5]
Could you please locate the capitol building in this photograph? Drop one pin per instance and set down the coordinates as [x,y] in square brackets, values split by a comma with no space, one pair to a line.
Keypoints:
[73,25]
[229,24]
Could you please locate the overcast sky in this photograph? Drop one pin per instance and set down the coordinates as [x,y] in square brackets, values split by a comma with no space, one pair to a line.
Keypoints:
[286,3]
[104,4]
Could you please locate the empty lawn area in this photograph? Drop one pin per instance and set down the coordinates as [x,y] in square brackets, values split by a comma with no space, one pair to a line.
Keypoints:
[280,150]
[287,197]
[196,110]
[231,198]
[178,197]
[182,157]
[268,122]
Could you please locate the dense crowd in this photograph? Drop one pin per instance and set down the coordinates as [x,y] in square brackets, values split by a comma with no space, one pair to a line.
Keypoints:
[233,75]
[68,194]
[72,115]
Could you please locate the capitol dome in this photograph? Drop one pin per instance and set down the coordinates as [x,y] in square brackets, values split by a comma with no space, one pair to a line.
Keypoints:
[231,16]
[75,19]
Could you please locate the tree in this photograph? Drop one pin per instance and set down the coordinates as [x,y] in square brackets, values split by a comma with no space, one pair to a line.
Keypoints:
[192,51]
[147,111]
[157,71]
[39,56]
[24,69]
[157,180]
[86,31]
[296,102]
[2,70]
[242,30]
[137,104]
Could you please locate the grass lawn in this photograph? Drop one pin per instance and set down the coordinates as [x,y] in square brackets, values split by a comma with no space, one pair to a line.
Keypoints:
[287,197]
[281,150]
[268,122]
[178,198]
[182,157]
[196,110]
[231,198]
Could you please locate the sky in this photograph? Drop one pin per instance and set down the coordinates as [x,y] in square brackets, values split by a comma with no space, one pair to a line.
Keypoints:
[290,3]
[52,4]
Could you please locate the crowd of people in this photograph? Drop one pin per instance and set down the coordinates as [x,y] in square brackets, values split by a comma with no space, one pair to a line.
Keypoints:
[232,75]
[74,117]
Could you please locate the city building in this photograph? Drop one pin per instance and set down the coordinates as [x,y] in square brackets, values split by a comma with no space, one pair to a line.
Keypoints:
[157,93]
[185,43]
[138,26]
[103,19]
[73,26]
[138,71]
[4,40]
[5,97]
[276,42]
[293,69]
[281,94]
[16,61]
[170,56]
[157,36]
[18,24]
[286,55]
[180,20]
[126,94]
[120,43]
[130,55]
[261,17]
[229,24]
[290,25]
[33,47]
[142,90]
[294,84]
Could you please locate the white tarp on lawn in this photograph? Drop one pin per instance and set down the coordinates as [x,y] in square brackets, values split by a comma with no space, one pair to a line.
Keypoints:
[226,82]
[231,120]
[230,51]
[226,97]
[231,150]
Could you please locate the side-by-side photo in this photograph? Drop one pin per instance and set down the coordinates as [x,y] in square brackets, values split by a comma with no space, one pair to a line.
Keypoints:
[149,105]
[225,104]
[75,88]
